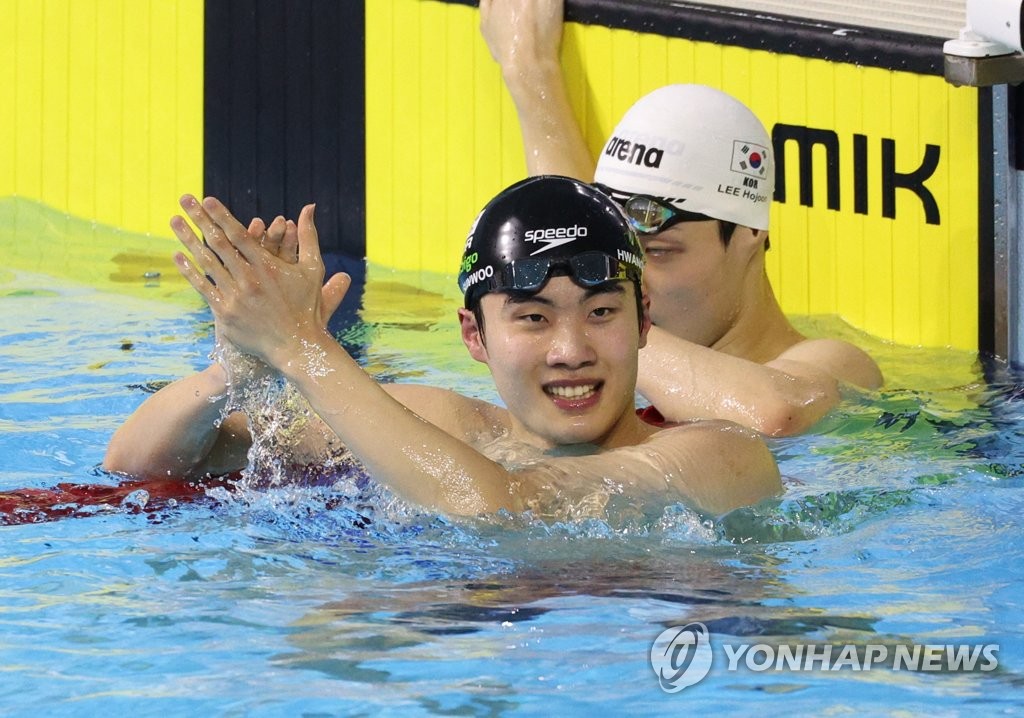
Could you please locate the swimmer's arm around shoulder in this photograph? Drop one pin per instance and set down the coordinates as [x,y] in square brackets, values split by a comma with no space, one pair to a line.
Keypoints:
[468,419]
[425,463]
[686,381]
[717,466]
[177,432]
[712,466]
[839,359]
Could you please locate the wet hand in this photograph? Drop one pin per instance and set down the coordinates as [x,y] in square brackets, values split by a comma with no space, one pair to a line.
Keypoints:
[263,304]
[281,239]
[521,32]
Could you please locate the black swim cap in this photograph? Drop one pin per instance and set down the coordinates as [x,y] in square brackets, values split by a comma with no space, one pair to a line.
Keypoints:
[543,223]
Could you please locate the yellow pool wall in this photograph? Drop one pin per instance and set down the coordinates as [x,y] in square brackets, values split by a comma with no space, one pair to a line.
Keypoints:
[442,137]
[104,126]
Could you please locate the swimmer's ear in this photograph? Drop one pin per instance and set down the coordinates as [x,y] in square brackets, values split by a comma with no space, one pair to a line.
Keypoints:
[645,320]
[472,336]
[752,240]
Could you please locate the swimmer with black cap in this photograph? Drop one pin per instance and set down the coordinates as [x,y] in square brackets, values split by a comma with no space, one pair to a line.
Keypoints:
[694,169]
[522,238]
[552,275]
[552,264]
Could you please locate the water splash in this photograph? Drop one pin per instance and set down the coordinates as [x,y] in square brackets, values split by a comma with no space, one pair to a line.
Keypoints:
[290,444]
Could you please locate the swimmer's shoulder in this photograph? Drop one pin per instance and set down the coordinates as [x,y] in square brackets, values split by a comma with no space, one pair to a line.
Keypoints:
[703,431]
[837,358]
[712,465]
[717,464]
[461,416]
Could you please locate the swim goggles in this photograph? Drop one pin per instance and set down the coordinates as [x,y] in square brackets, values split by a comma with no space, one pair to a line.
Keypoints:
[647,214]
[587,269]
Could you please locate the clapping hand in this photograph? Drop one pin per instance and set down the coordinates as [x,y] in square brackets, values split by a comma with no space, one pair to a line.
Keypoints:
[267,296]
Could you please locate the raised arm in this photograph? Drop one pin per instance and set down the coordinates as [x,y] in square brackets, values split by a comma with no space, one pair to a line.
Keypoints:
[178,432]
[524,37]
[273,310]
[181,431]
[781,397]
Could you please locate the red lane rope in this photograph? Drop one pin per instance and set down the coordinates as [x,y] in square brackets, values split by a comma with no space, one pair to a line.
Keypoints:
[26,506]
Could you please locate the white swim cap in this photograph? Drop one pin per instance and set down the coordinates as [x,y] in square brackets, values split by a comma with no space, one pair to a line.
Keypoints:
[696,147]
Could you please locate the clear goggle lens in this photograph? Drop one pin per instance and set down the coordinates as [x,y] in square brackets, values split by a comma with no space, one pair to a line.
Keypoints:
[588,270]
[647,214]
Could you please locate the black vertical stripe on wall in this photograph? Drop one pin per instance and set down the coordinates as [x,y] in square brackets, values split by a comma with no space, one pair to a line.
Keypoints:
[267,35]
[1015,107]
[284,112]
[986,229]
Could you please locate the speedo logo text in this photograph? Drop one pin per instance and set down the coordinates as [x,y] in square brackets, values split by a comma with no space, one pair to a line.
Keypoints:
[554,236]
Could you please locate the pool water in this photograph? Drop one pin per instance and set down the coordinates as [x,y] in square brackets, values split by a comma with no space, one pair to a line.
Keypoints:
[901,524]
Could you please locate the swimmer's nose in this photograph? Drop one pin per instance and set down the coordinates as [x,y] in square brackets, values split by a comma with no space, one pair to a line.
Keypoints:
[571,346]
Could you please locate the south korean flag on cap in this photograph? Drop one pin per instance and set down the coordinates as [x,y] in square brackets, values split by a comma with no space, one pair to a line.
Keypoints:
[750,159]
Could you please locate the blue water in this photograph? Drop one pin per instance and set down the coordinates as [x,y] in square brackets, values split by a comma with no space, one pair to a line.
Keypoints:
[901,524]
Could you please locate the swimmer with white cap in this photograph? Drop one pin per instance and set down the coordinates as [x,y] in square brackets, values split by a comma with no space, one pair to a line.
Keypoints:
[552,276]
[693,168]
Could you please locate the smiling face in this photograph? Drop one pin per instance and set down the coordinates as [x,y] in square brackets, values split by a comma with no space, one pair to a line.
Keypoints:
[696,282]
[564,359]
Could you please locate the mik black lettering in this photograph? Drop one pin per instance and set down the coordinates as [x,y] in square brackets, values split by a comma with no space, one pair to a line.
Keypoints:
[808,138]
[914,181]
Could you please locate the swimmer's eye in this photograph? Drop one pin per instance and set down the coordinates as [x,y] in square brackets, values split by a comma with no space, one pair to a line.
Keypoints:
[532,318]
[661,249]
